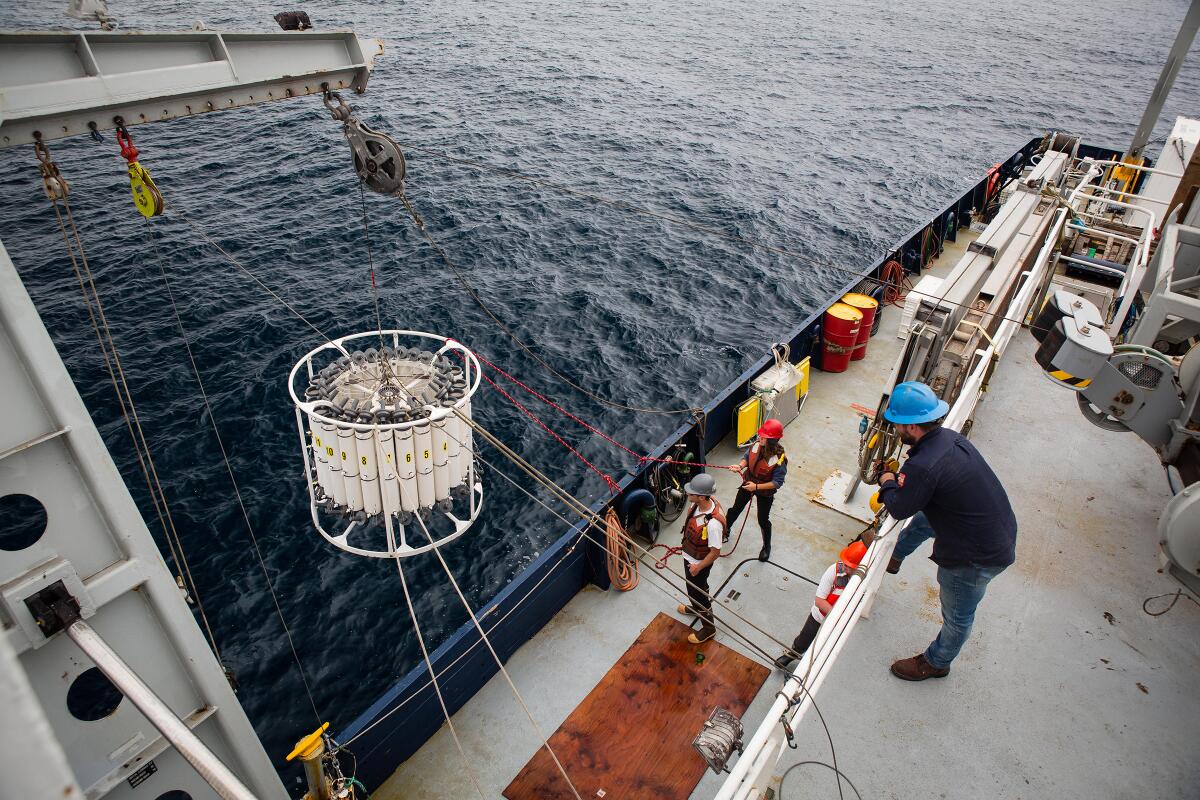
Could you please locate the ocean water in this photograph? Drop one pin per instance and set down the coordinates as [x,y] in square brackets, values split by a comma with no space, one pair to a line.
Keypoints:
[827,129]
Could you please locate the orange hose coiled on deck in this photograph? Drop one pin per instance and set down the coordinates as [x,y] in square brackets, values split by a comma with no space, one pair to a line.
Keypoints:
[622,566]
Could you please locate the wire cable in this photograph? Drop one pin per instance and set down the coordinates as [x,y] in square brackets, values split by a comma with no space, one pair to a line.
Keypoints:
[471,647]
[433,677]
[499,663]
[1178,593]
[116,372]
[236,489]
[823,764]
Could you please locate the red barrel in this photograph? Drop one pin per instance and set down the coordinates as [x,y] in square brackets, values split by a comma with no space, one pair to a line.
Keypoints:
[869,307]
[840,335]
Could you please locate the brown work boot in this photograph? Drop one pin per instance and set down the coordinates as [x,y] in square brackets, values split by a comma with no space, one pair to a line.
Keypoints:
[682,609]
[894,565]
[917,669]
[703,635]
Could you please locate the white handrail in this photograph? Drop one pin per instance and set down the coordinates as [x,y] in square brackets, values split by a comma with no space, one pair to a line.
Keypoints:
[765,747]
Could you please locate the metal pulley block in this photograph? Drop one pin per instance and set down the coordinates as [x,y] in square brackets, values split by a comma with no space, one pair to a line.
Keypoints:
[378,159]
[53,182]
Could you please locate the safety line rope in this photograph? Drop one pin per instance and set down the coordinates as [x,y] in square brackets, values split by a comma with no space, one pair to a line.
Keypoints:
[642,458]
[436,686]
[237,490]
[108,347]
[588,515]
[499,664]
[613,486]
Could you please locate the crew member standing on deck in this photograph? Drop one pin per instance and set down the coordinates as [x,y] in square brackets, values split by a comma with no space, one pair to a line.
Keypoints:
[955,499]
[703,535]
[829,589]
[763,470]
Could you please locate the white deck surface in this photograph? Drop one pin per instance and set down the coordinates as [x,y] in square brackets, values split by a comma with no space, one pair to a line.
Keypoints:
[1066,688]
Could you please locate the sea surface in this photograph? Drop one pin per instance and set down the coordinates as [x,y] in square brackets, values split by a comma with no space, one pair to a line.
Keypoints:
[828,129]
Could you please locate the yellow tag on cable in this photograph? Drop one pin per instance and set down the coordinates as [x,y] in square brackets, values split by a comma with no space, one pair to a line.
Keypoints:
[146,197]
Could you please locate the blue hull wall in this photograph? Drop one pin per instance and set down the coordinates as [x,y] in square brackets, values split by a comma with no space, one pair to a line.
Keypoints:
[406,715]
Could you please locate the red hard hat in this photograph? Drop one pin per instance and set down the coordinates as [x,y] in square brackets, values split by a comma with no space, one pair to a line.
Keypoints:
[852,554]
[771,429]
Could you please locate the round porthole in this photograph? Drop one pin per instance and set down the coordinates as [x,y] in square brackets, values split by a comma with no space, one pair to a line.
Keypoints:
[92,696]
[174,794]
[22,521]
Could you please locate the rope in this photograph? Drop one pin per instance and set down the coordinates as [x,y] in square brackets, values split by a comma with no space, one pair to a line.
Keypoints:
[499,664]
[622,567]
[420,225]
[433,677]
[586,513]
[116,373]
[471,647]
[642,458]
[897,283]
[613,486]
[236,489]
[674,551]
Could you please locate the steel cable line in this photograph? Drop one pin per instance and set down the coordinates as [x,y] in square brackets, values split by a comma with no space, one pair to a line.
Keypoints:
[116,373]
[416,692]
[500,664]
[748,642]
[565,497]
[433,677]
[236,489]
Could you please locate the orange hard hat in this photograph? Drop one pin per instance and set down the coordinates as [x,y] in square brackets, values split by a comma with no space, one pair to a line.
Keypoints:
[852,554]
[771,429]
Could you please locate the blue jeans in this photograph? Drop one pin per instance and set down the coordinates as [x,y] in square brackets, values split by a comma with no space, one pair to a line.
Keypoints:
[961,589]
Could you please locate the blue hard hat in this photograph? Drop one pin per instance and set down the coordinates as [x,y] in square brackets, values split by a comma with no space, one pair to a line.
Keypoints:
[912,403]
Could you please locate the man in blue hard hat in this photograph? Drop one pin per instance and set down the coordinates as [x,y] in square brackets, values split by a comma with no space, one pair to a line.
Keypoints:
[955,499]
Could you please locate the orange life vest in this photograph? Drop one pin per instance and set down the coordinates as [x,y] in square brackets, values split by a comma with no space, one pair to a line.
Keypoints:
[841,576]
[759,468]
[695,530]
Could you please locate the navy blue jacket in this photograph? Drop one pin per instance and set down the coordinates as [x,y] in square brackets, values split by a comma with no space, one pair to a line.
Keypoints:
[947,478]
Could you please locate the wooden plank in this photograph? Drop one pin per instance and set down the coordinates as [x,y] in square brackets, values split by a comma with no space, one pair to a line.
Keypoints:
[631,737]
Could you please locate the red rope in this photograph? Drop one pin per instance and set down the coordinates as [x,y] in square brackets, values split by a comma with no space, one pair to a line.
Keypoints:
[640,457]
[612,484]
[672,551]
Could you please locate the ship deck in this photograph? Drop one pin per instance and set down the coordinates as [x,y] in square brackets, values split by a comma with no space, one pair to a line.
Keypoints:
[1066,687]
